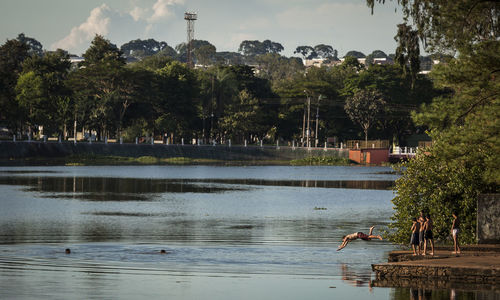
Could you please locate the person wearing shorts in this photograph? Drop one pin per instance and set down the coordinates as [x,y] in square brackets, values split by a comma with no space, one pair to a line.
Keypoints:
[415,237]
[358,235]
[455,230]
[429,237]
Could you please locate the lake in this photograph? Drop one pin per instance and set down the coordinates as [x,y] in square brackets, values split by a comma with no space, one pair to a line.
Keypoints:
[257,232]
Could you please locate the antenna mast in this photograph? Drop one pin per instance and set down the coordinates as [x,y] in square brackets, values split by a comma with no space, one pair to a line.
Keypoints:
[190,18]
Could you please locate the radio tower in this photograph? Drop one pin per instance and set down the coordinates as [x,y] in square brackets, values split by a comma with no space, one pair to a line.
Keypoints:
[190,18]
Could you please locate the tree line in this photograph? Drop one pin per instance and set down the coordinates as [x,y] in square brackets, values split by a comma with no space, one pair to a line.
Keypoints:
[158,95]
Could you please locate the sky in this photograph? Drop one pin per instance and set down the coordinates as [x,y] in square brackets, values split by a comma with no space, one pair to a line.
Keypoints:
[71,24]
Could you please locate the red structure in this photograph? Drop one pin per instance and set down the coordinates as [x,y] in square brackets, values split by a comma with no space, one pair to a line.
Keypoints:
[369,156]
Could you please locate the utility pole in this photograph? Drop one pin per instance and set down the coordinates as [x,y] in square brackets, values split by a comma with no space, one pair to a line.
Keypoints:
[317,119]
[308,121]
[303,127]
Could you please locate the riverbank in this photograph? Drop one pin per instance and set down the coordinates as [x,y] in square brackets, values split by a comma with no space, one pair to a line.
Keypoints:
[476,266]
[65,153]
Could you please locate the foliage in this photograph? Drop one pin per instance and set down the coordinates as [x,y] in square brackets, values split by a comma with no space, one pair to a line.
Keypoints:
[254,48]
[363,108]
[42,92]
[325,51]
[464,122]
[375,54]
[451,25]
[240,118]
[408,51]
[144,48]
[355,54]
[321,161]
[307,52]
[276,68]
[100,51]
[35,47]
[12,54]
[205,55]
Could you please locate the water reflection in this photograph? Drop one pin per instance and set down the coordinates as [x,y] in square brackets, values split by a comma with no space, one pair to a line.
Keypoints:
[451,294]
[351,277]
[110,189]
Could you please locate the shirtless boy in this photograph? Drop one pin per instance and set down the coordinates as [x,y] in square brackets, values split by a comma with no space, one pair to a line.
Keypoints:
[358,235]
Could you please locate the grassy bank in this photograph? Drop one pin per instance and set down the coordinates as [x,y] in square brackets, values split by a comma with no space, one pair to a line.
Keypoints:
[321,161]
[93,160]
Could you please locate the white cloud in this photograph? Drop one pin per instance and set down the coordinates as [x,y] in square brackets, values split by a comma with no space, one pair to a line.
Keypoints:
[138,13]
[162,9]
[119,27]
[97,23]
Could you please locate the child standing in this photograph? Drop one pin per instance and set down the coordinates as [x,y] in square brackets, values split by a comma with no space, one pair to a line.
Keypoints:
[429,238]
[414,241]
[455,230]
[421,234]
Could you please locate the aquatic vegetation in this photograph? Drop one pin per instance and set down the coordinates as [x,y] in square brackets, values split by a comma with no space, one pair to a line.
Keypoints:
[321,161]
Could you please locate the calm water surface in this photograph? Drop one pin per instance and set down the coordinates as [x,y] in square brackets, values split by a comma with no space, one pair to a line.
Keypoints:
[228,232]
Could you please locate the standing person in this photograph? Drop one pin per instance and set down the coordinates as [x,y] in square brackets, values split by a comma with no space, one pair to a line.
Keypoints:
[455,230]
[429,237]
[421,233]
[354,236]
[414,241]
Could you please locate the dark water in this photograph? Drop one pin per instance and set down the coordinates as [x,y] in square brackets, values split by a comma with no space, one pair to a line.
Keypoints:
[228,232]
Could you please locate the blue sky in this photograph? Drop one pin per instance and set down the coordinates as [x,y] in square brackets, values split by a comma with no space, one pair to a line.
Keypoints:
[71,24]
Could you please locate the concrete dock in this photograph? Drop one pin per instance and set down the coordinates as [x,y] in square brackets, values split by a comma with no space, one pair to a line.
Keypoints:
[477,266]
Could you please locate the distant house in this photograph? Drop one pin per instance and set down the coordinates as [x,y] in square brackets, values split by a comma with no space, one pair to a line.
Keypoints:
[321,62]
[75,60]
[383,61]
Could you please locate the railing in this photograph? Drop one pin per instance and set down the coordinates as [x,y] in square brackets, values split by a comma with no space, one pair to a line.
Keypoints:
[407,151]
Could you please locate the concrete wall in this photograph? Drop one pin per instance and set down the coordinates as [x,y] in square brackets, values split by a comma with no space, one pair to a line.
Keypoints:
[488,219]
[16,150]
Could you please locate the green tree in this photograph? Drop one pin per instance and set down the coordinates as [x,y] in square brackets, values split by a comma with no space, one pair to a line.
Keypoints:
[462,162]
[375,54]
[451,25]
[240,118]
[254,48]
[363,108]
[31,96]
[276,68]
[195,44]
[102,51]
[175,106]
[35,47]
[408,51]
[12,54]
[105,86]
[144,48]
[307,52]
[325,51]
[355,54]
[205,55]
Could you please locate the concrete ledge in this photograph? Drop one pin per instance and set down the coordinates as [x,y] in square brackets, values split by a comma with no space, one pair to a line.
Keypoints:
[470,267]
